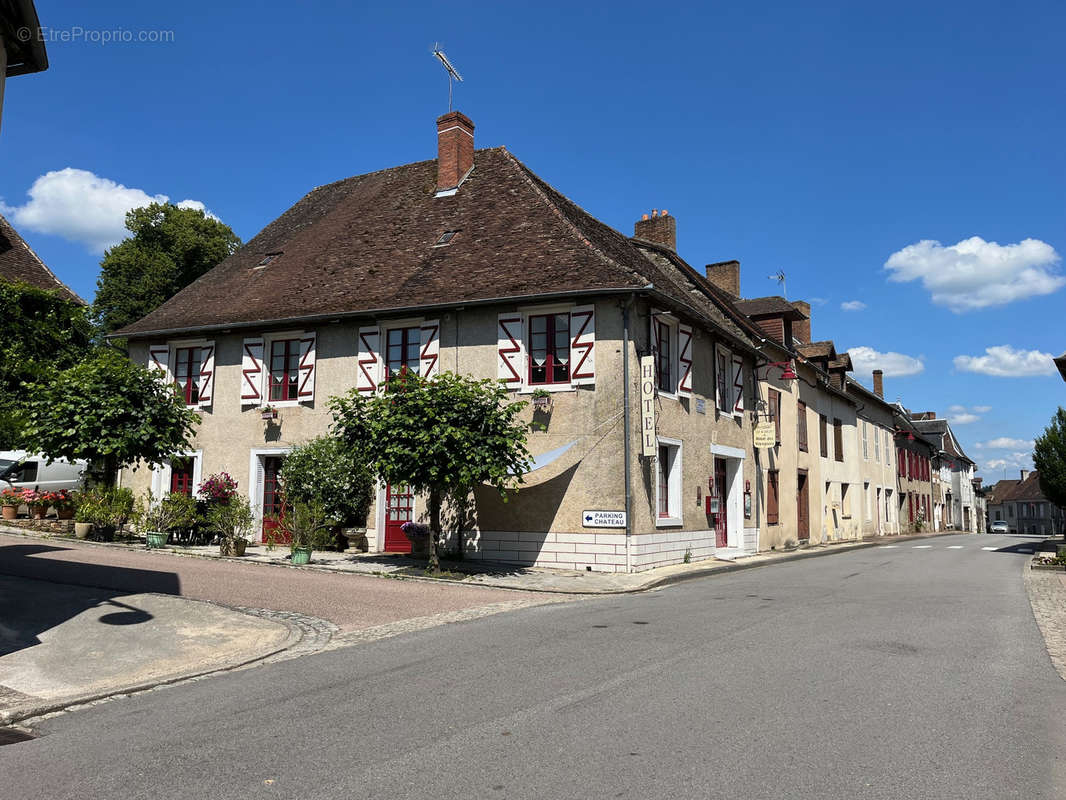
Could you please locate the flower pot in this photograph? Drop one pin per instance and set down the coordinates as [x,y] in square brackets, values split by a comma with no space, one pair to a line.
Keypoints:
[65,513]
[10,512]
[419,546]
[301,555]
[232,547]
[37,512]
[357,542]
[156,538]
[82,529]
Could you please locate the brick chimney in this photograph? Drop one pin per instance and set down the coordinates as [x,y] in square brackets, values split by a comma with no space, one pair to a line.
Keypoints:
[879,383]
[801,328]
[455,149]
[725,275]
[659,228]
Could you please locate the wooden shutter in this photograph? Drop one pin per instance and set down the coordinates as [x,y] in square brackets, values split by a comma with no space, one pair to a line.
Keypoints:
[368,363]
[772,514]
[583,345]
[775,412]
[159,361]
[801,425]
[723,380]
[738,385]
[305,391]
[429,349]
[510,355]
[206,384]
[838,440]
[252,372]
[823,435]
[684,360]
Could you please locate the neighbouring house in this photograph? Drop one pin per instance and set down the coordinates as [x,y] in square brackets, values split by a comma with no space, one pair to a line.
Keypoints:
[18,263]
[22,49]
[876,427]
[472,263]
[915,456]
[1024,507]
[956,474]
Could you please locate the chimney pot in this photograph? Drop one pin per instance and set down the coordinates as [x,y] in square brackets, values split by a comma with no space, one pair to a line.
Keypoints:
[879,383]
[455,149]
[644,216]
[725,275]
[660,229]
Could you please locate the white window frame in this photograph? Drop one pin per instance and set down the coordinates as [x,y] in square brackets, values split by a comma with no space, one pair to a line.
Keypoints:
[264,382]
[540,311]
[673,479]
[180,344]
[161,475]
[256,495]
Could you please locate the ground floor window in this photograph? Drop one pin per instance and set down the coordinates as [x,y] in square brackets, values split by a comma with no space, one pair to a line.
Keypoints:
[668,483]
[181,476]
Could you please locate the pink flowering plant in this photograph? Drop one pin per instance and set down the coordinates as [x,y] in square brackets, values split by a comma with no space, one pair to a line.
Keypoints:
[218,488]
[37,500]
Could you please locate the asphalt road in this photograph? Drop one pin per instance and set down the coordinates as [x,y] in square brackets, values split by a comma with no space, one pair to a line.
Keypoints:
[352,602]
[908,672]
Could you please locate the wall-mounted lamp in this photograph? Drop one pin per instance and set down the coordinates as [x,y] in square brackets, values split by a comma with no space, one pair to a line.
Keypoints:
[787,372]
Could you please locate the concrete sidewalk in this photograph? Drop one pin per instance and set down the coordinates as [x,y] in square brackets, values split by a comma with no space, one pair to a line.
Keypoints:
[501,576]
[61,645]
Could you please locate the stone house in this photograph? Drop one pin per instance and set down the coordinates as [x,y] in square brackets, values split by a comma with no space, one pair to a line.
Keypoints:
[1024,507]
[471,263]
[956,474]
[915,456]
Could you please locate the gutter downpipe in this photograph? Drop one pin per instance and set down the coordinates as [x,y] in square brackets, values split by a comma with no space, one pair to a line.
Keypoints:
[625,425]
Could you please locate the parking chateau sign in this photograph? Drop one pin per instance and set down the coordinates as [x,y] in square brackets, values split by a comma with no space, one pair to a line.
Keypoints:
[647,406]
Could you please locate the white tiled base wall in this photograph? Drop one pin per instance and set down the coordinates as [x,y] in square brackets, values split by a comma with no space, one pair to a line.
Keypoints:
[602,552]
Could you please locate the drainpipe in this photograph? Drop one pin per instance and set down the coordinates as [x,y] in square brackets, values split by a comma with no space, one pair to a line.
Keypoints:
[625,426]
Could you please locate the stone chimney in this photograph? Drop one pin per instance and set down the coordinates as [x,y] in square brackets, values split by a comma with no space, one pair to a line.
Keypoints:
[801,328]
[1025,474]
[659,229]
[879,383]
[725,275]
[455,149]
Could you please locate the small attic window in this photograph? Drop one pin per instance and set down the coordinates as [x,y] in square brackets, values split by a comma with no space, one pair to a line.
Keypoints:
[446,238]
[267,259]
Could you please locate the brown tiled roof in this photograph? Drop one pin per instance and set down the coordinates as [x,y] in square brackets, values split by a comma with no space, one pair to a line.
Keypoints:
[1028,490]
[816,349]
[366,245]
[18,262]
[1002,490]
[765,306]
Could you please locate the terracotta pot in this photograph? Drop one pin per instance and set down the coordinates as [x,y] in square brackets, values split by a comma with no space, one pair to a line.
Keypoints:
[10,512]
[65,513]
[37,512]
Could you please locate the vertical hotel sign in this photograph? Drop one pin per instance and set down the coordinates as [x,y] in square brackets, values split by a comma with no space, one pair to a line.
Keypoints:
[647,406]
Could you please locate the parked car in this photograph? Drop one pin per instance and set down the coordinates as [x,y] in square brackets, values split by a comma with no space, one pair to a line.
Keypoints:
[999,526]
[23,470]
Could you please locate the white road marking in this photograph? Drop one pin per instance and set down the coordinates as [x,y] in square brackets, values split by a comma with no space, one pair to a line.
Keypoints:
[990,548]
[889,546]
[954,547]
[922,546]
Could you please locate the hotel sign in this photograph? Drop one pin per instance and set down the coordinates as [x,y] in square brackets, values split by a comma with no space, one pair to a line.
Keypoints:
[647,406]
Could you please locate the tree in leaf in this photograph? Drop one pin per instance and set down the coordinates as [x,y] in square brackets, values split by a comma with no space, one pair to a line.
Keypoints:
[109,411]
[442,437]
[1049,459]
[325,471]
[41,333]
[169,248]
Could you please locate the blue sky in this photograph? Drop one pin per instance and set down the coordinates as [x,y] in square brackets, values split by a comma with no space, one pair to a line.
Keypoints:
[824,140]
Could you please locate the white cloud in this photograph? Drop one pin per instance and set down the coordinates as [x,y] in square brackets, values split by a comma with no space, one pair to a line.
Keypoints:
[982,409]
[894,365]
[83,207]
[818,301]
[977,274]
[853,305]
[1007,443]
[1011,463]
[961,415]
[1003,361]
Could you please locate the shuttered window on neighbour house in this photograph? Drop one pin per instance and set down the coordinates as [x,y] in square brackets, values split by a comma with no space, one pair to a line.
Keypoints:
[823,435]
[801,425]
[865,441]
[877,445]
[838,440]
[775,412]
[772,497]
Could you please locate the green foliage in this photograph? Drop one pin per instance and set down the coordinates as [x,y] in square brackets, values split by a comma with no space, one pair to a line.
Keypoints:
[441,436]
[104,506]
[1049,459]
[109,411]
[305,525]
[174,512]
[168,249]
[325,471]
[232,519]
[40,334]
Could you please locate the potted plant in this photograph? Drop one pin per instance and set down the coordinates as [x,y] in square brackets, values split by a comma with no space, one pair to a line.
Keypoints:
[542,400]
[10,500]
[108,510]
[307,528]
[418,534]
[36,501]
[217,488]
[234,522]
[63,503]
[85,513]
[158,518]
[268,412]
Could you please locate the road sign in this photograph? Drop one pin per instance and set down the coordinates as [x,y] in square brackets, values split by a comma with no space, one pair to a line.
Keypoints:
[603,519]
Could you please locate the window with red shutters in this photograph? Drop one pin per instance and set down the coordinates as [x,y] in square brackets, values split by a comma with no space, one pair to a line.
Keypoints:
[187,362]
[284,369]
[549,348]
[401,351]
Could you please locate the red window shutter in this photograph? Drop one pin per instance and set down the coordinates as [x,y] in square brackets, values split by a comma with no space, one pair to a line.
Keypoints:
[252,372]
[509,359]
[207,374]
[429,349]
[684,357]
[583,345]
[368,362]
[306,391]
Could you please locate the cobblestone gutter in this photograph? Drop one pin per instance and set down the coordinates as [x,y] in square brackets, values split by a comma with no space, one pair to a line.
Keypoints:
[1047,595]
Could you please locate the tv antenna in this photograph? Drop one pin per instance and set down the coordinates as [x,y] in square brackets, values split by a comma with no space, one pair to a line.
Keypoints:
[780,278]
[453,73]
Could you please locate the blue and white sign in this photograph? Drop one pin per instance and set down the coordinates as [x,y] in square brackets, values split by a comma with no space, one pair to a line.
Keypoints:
[603,519]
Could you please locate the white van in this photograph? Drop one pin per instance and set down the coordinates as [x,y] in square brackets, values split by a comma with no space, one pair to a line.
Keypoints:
[23,470]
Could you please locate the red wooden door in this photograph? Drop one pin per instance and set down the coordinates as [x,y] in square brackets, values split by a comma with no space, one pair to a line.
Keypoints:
[181,476]
[399,508]
[803,507]
[273,504]
[721,533]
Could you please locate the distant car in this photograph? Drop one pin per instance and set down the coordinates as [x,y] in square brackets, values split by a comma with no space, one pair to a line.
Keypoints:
[23,470]
[999,526]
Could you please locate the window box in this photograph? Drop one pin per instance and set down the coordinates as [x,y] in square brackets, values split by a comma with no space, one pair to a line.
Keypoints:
[268,413]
